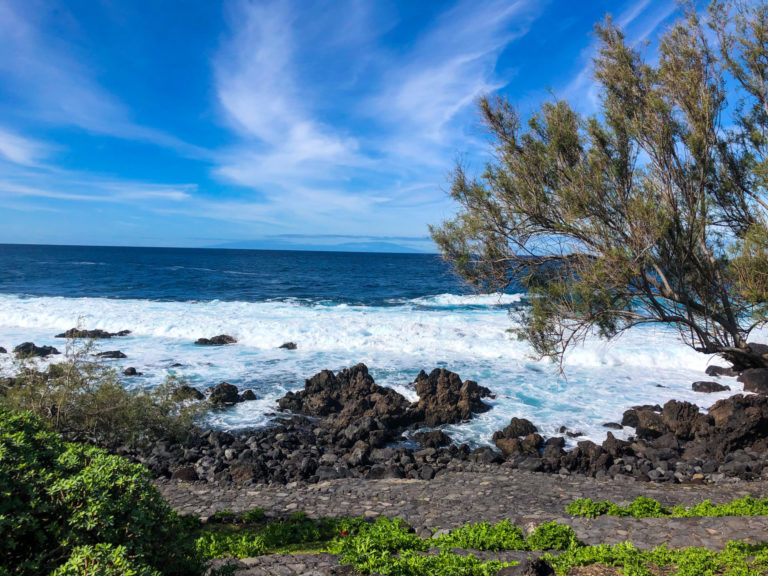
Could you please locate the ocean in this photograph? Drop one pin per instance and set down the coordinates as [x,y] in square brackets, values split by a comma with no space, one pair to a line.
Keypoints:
[397,313]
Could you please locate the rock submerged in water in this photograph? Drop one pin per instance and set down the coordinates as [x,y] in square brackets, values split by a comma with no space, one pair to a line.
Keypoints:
[224,394]
[96,334]
[248,395]
[131,371]
[220,340]
[288,346]
[111,355]
[31,350]
[709,387]
[186,392]
[3,350]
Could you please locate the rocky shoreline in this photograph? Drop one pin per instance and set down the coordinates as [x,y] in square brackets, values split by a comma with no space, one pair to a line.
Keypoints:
[344,425]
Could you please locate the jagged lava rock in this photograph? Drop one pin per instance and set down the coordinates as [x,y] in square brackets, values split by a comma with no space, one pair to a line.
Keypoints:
[445,399]
[111,355]
[224,393]
[96,334]
[709,387]
[220,340]
[351,393]
[31,350]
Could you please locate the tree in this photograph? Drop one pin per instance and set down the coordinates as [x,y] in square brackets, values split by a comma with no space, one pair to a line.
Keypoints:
[652,211]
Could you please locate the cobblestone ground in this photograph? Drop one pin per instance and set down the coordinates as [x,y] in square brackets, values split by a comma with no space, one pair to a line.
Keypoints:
[456,498]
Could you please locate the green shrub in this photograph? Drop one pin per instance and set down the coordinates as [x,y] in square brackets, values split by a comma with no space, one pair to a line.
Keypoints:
[58,498]
[83,398]
[253,516]
[103,560]
[236,545]
[484,536]
[648,508]
[552,536]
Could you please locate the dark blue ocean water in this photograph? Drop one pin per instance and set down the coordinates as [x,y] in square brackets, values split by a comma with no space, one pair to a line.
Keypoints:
[174,274]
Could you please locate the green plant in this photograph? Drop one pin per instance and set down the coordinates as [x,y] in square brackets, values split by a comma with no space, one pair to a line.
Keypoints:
[650,211]
[484,536]
[643,507]
[57,498]
[103,560]
[83,398]
[552,536]
[253,516]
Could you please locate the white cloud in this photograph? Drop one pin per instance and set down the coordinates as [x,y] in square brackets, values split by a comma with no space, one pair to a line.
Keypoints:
[51,82]
[21,150]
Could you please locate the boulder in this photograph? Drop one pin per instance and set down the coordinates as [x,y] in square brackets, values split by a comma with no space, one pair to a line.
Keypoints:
[3,350]
[31,350]
[755,380]
[509,446]
[220,340]
[131,371]
[223,394]
[111,355]
[349,395]
[680,418]
[718,371]
[709,387]
[445,399]
[432,439]
[517,428]
[96,334]
[248,395]
[186,392]
[185,474]
[612,425]
[288,346]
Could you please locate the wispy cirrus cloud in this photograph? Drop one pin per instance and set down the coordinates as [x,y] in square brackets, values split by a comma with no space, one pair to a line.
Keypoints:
[296,158]
[20,150]
[50,81]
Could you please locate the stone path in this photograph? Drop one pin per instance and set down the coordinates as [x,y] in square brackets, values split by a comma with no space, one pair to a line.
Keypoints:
[456,498]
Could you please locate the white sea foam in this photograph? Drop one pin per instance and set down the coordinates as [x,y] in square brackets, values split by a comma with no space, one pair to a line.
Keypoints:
[468,335]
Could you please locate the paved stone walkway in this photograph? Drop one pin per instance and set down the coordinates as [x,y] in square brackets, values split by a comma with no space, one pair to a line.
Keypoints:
[456,498]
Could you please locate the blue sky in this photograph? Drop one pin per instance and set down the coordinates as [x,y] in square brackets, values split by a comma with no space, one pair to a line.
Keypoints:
[269,124]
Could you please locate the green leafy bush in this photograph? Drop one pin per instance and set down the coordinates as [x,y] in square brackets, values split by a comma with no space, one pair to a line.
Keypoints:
[69,505]
[552,536]
[484,536]
[236,545]
[103,560]
[648,508]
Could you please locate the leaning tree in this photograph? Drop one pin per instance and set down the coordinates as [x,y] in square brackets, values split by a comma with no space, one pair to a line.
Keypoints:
[654,210]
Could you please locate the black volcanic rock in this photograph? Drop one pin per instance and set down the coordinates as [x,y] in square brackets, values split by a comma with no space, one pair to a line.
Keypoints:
[248,395]
[224,393]
[350,394]
[717,371]
[755,380]
[445,399]
[111,355]
[288,346]
[131,371]
[709,387]
[3,350]
[31,350]
[432,439]
[96,334]
[220,340]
